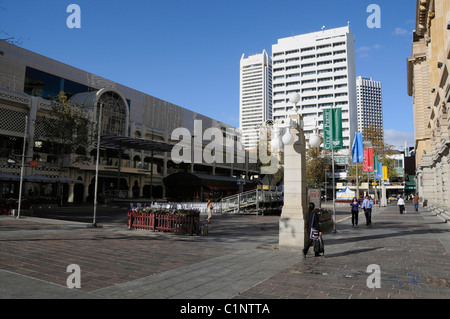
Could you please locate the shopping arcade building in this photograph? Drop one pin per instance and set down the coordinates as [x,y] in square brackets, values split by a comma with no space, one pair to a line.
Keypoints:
[28,80]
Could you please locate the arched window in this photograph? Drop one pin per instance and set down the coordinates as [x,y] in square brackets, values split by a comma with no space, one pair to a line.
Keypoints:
[114,113]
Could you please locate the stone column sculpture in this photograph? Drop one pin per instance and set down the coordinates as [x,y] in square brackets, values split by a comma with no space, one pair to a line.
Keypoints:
[292,220]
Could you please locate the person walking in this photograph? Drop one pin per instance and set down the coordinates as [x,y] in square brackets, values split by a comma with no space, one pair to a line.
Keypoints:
[416,202]
[401,204]
[312,228]
[355,211]
[209,210]
[367,207]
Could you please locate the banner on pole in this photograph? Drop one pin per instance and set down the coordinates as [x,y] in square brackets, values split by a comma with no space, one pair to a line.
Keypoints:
[375,164]
[368,160]
[332,129]
[385,178]
[379,173]
[357,148]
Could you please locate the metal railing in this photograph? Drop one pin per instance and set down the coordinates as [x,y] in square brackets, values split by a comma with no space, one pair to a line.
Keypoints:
[200,206]
[251,200]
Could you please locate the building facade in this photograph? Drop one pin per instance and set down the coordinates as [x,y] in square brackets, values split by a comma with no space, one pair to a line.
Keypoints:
[136,169]
[320,66]
[429,85]
[369,102]
[255,96]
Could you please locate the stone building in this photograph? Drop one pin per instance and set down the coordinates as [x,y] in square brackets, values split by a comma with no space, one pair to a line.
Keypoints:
[429,85]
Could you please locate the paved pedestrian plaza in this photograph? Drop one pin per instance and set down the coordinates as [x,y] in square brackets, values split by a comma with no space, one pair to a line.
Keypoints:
[239,259]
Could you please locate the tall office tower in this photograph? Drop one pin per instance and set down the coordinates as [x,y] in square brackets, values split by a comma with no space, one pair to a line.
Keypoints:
[255,101]
[320,66]
[368,98]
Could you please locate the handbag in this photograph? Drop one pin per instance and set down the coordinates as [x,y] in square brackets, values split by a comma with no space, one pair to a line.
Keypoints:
[314,233]
[318,246]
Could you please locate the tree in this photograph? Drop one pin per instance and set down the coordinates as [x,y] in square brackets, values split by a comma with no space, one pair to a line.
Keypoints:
[373,137]
[66,131]
[316,163]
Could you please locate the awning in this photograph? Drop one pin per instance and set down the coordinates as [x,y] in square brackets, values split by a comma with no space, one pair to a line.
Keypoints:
[68,180]
[9,177]
[39,179]
[46,179]
[114,141]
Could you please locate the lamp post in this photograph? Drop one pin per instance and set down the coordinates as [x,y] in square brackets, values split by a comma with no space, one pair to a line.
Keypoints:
[94,223]
[292,221]
[22,166]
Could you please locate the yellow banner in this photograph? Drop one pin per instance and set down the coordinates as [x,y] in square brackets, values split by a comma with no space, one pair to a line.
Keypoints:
[384,173]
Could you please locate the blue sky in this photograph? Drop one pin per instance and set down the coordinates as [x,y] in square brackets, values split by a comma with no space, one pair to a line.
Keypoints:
[187,52]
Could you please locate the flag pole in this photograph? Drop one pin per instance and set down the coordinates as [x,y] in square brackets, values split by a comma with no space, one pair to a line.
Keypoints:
[332,132]
[332,163]
[357,182]
[357,173]
[334,189]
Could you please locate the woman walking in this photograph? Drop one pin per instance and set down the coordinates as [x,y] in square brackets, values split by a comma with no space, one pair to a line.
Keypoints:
[355,211]
[401,204]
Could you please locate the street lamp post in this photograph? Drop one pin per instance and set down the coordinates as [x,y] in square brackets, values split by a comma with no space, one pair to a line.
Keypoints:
[292,221]
[94,222]
[22,166]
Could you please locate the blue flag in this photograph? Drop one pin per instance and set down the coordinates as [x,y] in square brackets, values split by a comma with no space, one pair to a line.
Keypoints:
[379,174]
[357,148]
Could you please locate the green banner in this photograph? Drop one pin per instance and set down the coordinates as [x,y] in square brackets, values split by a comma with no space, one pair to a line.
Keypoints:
[332,128]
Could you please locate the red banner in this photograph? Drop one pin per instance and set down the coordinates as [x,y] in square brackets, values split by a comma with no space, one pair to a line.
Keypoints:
[368,160]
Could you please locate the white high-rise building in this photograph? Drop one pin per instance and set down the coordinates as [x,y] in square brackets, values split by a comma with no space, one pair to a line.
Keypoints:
[255,100]
[368,97]
[320,66]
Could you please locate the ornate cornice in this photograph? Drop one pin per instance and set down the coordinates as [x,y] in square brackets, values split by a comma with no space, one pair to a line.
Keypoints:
[423,19]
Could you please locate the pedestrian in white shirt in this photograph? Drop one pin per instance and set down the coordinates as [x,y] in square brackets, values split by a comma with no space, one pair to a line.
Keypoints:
[401,204]
[367,207]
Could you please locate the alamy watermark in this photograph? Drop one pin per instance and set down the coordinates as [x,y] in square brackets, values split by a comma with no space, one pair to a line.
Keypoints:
[74,279]
[225,146]
[74,19]
[374,279]
[374,19]
[190,149]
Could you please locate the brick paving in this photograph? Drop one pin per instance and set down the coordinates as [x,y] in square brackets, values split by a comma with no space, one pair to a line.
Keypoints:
[105,256]
[412,251]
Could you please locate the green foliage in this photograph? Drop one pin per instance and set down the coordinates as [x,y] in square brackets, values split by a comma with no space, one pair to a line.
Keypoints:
[66,129]
[316,163]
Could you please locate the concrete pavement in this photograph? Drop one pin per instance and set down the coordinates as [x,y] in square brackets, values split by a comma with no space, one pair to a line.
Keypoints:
[240,259]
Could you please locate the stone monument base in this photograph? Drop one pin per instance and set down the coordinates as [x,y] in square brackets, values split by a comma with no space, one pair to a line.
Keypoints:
[291,234]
